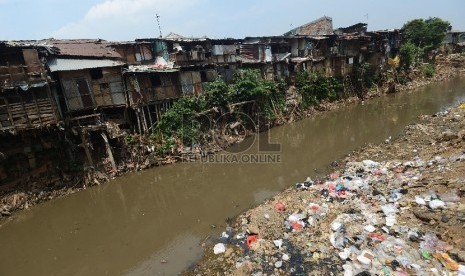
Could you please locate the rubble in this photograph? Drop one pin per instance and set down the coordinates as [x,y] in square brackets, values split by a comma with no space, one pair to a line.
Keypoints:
[387,216]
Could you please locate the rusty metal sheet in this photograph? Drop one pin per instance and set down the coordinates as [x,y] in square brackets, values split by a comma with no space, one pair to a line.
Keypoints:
[84,48]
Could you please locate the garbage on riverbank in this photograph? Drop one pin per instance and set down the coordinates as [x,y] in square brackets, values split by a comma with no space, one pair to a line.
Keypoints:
[402,213]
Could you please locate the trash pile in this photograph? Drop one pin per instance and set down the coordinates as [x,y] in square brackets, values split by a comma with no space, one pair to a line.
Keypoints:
[393,217]
[350,223]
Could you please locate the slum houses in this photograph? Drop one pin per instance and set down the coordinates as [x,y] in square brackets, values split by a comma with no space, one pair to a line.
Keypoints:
[71,99]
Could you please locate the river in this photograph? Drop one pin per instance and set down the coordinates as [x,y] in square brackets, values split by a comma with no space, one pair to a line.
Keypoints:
[128,226]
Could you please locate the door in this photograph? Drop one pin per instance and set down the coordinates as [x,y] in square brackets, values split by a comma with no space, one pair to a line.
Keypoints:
[84,91]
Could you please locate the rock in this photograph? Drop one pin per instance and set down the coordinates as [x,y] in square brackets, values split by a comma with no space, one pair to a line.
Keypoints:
[253,229]
[244,270]
[461,135]
[448,136]
[459,254]
[444,219]
[426,216]
[5,213]
[285,257]
[278,264]
[229,252]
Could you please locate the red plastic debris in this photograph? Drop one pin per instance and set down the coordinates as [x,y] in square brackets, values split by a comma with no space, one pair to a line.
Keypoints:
[296,226]
[377,237]
[314,207]
[280,206]
[251,239]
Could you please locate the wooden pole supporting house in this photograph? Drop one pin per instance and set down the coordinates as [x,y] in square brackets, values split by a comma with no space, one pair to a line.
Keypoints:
[150,116]
[138,120]
[144,121]
[83,134]
[157,112]
[56,105]
[109,152]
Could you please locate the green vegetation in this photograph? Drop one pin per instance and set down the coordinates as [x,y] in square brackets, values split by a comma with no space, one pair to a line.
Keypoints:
[179,122]
[421,36]
[428,70]
[425,33]
[315,87]
[410,55]
[364,78]
[192,116]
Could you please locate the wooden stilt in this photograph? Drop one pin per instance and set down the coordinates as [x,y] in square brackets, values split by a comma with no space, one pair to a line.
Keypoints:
[83,135]
[144,121]
[150,116]
[157,112]
[139,128]
[109,152]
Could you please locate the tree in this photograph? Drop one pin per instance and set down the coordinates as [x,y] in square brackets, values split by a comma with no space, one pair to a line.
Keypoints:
[427,34]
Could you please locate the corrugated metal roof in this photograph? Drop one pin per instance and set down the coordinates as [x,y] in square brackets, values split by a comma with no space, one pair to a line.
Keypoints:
[84,48]
[61,64]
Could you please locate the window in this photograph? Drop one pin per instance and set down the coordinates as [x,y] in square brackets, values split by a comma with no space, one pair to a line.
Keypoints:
[203,76]
[96,73]
[155,80]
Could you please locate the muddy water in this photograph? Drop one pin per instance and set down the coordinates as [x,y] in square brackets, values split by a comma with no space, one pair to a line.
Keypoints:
[134,222]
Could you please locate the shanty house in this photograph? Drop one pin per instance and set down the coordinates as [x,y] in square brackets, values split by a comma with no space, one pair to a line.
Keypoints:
[26,100]
[89,72]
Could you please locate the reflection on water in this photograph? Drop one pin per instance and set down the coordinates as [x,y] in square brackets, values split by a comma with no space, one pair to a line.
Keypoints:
[129,225]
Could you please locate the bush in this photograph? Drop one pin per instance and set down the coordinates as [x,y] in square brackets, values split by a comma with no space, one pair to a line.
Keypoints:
[182,123]
[269,96]
[217,93]
[409,55]
[428,70]
[315,87]
[364,75]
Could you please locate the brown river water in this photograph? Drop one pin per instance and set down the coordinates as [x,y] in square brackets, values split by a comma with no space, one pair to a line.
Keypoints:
[126,227]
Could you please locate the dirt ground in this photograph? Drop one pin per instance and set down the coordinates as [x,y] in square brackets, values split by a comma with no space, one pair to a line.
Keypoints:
[396,208]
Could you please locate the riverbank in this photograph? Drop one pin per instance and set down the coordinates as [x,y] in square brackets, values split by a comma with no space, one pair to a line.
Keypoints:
[40,190]
[396,208]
